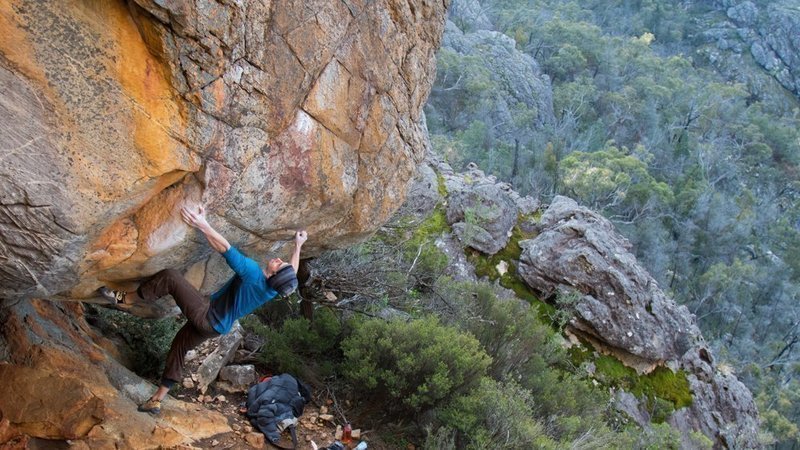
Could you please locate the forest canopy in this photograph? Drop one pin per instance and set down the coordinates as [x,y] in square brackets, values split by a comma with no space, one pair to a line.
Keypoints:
[636,110]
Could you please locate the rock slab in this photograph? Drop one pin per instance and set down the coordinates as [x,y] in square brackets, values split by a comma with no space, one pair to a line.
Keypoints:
[620,310]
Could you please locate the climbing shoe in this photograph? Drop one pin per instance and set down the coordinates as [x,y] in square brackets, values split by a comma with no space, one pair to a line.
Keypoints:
[151,406]
[114,297]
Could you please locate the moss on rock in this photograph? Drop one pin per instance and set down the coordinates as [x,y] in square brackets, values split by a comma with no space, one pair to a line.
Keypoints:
[487,265]
[662,389]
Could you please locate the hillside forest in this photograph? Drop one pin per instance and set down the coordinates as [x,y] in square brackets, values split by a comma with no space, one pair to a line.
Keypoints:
[662,116]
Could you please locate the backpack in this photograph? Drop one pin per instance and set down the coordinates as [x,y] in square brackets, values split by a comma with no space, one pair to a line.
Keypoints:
[275,404]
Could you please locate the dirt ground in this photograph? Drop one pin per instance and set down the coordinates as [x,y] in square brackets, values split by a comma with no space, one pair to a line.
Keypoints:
[311,430]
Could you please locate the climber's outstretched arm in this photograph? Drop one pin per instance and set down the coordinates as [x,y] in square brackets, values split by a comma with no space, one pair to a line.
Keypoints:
[197,219]
[299,239]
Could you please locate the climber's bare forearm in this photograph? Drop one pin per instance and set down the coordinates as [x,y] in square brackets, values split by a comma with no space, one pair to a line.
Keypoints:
[299,239]
[216,240]
[296,257]
[196,217]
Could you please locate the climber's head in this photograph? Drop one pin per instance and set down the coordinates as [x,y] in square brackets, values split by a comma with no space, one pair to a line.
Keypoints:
[281,277]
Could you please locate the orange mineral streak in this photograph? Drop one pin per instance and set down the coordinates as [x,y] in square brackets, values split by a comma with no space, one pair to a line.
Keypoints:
[116,244]
[158,123]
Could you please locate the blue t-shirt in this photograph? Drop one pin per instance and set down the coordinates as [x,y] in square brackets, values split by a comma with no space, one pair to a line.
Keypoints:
[245,292]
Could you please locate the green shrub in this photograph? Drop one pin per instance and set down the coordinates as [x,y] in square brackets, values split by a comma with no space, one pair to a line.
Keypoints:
[664,437]
[299,346]
[572,405]
[148,339]
[528,351]
[508,329]
[411,366]
[440,438]
[494,416]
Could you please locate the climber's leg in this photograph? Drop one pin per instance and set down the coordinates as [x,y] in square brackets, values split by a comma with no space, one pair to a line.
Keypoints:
[193,305]
[188,337]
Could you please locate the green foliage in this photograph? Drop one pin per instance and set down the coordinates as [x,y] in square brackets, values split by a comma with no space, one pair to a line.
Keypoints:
[530,352]
[566,62]
[432,227]
[613,177]
[664,390]
[565,302]
[412,366]
[464,82]
[441,438]
[496,415]
[509,329]
[662,436]
[149,339]
[299,346]
[465,73]
[466,145]
[778,407]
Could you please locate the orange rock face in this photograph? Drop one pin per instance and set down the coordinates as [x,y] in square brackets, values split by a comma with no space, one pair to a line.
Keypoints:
[275,115]
[59,384]
[29,403]
[114,114]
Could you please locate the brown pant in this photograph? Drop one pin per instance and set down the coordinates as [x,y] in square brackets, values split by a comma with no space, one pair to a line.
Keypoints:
[193,305]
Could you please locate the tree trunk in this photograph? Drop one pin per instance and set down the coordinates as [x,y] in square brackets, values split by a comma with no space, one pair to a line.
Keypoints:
[515,168]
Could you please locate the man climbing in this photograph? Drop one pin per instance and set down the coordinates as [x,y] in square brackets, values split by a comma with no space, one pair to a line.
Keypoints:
[249,288]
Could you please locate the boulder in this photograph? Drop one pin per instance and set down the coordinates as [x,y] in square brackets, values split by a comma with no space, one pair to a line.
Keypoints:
[480,210]
[239,376]
[745,13]
[274,115]
[26,401]
[57,360]
[620,310]
[620,304]
[458,267]
[423,193]
[256,440]
[518,77]
[225,347]
[469,15]
[772,35]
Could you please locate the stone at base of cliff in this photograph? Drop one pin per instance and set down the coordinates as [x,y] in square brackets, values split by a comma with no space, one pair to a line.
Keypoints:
[58,384]
[27,400]
[255,439]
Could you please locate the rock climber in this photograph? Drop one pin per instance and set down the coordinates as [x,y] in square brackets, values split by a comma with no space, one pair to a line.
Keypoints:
[249,288]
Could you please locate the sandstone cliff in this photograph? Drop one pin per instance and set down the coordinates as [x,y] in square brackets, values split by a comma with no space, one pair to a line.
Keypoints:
[114,114]
[769,33]
[276,115]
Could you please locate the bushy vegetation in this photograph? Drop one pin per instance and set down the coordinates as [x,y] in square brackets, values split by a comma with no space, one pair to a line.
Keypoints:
[496,415]
[697,166]
[473,365]
[147,339]
[413,366]
[299,346]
